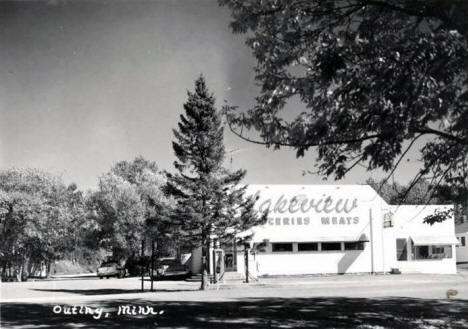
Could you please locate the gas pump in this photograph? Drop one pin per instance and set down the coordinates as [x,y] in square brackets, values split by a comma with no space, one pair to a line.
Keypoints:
[219,261]
[218,265]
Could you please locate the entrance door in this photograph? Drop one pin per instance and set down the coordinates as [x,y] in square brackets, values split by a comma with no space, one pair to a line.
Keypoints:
[229,261]
[230,256]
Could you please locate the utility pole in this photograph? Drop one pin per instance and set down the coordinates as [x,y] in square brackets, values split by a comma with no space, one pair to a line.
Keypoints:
[246,260]
[142,265]
[371,240]
[152,264]
[215,278]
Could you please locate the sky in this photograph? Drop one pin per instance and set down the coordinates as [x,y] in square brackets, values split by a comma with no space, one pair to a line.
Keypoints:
[88,83]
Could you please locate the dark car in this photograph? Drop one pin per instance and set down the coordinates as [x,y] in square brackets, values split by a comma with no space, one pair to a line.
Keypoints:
[171,268]
[108,269]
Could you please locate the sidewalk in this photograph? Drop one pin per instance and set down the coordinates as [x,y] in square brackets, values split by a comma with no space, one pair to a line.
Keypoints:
[350,280]
[57,277]
[80,275]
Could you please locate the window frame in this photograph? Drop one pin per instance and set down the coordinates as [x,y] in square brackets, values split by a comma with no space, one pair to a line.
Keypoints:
[282,243]
[331,243]
[360,245]
[402,251]
[316,244]
[434,252]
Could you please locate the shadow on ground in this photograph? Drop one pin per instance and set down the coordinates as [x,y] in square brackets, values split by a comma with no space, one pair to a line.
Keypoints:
[91,292]
[364,313]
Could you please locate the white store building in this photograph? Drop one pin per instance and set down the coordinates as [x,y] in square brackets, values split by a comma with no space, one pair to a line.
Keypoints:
[337,229]
[461,231]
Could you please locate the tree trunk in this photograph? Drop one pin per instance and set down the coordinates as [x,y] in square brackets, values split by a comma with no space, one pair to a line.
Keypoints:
[208,260]
[26,267]
[19,272]
[204,276]
[4,268]
[206,265]
[246,261]
[49,263]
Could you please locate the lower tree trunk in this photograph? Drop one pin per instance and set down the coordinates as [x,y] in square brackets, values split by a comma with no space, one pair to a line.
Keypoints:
[4,268]
[19,272]
[208,260]
[26,271]
[204,279]
[48,268]
[32,270]
[246,261]
[178,253]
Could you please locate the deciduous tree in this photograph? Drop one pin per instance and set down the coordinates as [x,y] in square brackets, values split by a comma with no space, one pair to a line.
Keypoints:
[37,218]
[374,77]
[130,206]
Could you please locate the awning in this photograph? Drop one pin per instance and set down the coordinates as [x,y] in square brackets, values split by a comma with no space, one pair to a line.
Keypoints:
[434,240]
[310,238]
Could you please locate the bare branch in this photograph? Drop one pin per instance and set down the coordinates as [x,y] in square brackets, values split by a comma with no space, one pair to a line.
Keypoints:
[398,162]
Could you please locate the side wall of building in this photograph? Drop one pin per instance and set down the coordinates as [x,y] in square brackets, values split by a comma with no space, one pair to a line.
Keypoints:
[462,251]
[408,224]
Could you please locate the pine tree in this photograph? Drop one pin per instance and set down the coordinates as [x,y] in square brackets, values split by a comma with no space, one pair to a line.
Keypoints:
[210,202]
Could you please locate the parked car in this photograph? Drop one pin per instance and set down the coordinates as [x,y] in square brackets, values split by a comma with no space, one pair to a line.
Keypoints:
[110,268]
[171,268]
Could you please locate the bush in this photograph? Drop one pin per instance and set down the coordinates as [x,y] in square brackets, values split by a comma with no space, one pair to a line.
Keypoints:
[134,265]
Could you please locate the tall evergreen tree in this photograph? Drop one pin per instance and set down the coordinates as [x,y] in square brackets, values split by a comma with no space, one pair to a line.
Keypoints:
[210,202]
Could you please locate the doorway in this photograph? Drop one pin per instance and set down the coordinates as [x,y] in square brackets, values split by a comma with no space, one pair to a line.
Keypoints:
[229,262]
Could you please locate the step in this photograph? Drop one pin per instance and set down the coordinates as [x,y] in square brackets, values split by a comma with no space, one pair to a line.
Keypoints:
[232,276]
[194,278]
[228,276]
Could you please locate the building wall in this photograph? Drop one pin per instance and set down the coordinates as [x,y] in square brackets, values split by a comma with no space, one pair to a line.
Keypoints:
[461,230]
[342,226]
[311,263]
[441,266]
[355,212]
[462,251]
[195,261]
[408,224]
[379,254]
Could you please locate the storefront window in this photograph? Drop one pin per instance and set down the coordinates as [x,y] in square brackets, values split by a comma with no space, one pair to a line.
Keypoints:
[357,245]
[280,247]
[401,249]
[421,252]
[432,252]
[331,246]
[307,246]
[444,251]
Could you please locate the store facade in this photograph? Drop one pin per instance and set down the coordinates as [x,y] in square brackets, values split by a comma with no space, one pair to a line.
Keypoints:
[338,229]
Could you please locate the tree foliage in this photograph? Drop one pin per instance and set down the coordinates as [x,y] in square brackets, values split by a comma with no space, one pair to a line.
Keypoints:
[209,201]
[422,193]
[129,206]
[38,218]
[397,194]
[374,77]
